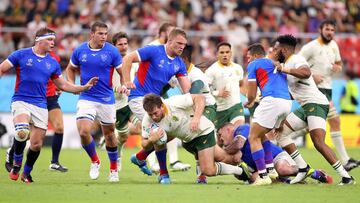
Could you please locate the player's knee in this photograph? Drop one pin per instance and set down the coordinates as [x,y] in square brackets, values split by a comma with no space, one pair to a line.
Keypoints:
[122,138]
[209,171]
[58,127]
[22,131]
[334,123]
[284,140]
[36,144]
[333,115]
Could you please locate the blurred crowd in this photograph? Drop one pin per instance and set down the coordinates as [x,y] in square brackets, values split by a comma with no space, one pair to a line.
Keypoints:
[240,22]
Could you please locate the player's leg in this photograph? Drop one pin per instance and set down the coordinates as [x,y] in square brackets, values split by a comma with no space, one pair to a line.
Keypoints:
[337,139]
[37,136]
[317,128]
[160,152]
[175,163]
[56,119]
[206,156]
[21,119]
[294,121]
[122,129]
[84,120]
[107,114]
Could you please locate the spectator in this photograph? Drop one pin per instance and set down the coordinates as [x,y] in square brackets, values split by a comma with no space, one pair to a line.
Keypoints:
[35,25]
[7,45]
[350,93]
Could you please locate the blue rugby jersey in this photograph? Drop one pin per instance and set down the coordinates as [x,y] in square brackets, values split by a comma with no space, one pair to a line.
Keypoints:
[32,75]
[270,82]
[155,70]
[97,63]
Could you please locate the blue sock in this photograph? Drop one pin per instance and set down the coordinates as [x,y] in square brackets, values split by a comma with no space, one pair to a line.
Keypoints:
[161,156]
[91,151]
[113,156]
[56,147]
[268,152]
[259,159]
[27,169]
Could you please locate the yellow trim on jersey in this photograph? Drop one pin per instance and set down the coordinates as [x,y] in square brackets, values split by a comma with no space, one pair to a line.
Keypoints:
[319,40]
[222,66]
[166,109]
[289,58]
[190,68]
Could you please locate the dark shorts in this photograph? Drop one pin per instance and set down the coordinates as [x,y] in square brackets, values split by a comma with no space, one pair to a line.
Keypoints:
[229,114]
[52,102]
[311,109]
[327,93]
[200,143]
[210,112]
[122,117]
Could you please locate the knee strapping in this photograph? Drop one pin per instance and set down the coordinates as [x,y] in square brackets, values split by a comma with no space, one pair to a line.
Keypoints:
[22,131]
[332,113]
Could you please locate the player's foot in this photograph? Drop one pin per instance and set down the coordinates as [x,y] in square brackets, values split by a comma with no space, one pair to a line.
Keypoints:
[201,179]
[179,166]
[94,170]
[57,167]
[266,180]
[9,160]
[347,181]
[302,174]
[321,176]
[119,164]
[155,168]
[164,179]
[113,176]
[14,172]
[141,164]
[246,175]
[26,178]
[351,164]
[272,173]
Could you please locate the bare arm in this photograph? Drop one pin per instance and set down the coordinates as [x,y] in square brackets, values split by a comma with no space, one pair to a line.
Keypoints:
[337,66]
[70,87]
[184,84]
[251,93]
[301,72]
[71,73]
[199,105]
[126,68]
[4,66]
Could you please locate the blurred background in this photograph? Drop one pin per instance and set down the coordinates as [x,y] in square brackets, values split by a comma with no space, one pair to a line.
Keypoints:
[240,22]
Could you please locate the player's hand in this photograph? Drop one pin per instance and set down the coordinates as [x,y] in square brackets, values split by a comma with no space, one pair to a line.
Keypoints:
[249,104]
[91,83]
[123,90]
[336,68]
[130,85]
[278,66]
[58,92]
[194,124]
[224,93]
[318,79]
[155,135]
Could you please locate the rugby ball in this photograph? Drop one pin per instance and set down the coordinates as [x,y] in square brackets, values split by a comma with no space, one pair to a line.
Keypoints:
[163,138]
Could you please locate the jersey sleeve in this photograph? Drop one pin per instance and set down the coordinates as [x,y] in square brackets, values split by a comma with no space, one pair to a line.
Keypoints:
[117,59]
[146,126]
[337,53]
[57,71]
[74,60]
[14,58]
[252,71]
[239,72]
[183,101]
[182,69]
[300,61]
[145,53]
[305,52]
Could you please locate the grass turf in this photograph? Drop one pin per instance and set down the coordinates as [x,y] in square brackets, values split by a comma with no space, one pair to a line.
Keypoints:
[76,186]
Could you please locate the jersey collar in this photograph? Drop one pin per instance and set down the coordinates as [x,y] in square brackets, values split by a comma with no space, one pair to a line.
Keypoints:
[223,66]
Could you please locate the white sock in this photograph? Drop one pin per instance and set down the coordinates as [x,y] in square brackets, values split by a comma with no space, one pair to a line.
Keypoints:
[120,149]
[340,169]
[172,150]
[227,169]
[198,171]
[300,162]
[339,145]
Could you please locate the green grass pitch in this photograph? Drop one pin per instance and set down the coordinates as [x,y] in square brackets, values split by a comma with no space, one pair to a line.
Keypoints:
[76,186]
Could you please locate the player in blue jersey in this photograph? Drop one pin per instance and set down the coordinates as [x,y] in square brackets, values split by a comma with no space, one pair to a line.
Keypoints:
[34,67]
[235,141]
[97,58]
[272,110]
[157,65]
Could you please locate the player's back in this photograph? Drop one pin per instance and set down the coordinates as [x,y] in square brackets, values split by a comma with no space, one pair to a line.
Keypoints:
[270,82]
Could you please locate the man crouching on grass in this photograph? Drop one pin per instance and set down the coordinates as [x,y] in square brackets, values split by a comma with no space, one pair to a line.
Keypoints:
[181,116]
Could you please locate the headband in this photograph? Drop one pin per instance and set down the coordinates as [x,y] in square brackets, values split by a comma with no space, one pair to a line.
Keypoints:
[45,36]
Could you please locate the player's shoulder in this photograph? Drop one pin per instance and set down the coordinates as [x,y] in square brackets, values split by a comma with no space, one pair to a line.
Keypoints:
[236,65]
[82,46]
[24,51]
[333,44]
[110,47]
[297,58]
